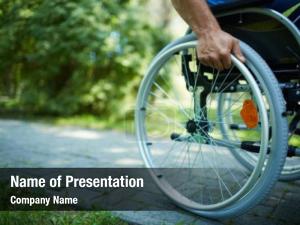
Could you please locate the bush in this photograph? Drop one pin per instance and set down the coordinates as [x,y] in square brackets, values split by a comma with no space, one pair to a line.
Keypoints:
[64,57]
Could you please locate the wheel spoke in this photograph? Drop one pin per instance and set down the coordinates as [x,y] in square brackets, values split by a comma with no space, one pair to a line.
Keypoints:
[196,141]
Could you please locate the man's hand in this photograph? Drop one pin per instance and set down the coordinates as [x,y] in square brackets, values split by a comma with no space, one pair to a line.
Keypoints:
[216,46]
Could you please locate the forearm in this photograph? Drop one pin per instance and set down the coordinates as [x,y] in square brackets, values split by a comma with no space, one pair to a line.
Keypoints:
[198,15]
[214,45]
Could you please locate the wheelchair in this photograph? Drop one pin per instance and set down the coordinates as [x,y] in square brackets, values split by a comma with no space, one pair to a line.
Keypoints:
[216,142]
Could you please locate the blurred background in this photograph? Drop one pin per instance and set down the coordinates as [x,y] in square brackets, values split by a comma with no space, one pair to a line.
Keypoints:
[73,62]
[79,62]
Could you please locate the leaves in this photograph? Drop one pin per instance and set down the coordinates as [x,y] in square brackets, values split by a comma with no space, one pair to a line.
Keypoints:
[68,57]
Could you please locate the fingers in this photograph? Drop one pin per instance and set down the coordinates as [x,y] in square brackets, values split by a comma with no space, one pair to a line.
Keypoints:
[219,62]
[225,59]
[222,61]
[209,59]
[216,62]
[237,51]
[219,56]
[203,57]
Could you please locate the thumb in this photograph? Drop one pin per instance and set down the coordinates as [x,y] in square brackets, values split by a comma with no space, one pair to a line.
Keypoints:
[237,51]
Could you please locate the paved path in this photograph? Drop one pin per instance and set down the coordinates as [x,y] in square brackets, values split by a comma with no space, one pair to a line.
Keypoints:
[24,144]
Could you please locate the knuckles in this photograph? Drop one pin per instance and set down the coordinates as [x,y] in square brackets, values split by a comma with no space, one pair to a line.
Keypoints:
[223,54]
[216,58]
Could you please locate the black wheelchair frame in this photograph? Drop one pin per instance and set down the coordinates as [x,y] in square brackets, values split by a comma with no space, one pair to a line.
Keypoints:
[279,45]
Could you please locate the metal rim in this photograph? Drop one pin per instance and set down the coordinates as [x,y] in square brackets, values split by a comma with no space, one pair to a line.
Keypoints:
[142,140]
[248,157]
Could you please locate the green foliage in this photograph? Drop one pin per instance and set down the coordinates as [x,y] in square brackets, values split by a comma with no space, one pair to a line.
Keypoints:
[59,218]
[66,57]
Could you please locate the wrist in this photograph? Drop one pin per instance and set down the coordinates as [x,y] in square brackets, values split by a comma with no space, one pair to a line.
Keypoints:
[207,30]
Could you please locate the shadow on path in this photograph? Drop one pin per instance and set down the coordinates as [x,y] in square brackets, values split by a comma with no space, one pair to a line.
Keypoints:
[26,144]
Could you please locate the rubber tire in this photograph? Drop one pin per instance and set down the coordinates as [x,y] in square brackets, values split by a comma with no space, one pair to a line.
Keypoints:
[274,166]
[249,166]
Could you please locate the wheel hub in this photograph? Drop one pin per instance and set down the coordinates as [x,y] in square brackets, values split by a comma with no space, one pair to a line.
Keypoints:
[191,127]
[198,130]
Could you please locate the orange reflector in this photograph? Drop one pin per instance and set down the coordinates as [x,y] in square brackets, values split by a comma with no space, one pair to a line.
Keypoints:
[249,114]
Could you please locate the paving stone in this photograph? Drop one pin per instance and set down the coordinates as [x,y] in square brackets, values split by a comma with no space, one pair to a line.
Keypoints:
[41,145]
[262,211]
[288,210]
[164,218]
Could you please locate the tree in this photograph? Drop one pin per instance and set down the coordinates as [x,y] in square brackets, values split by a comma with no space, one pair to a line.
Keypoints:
[67,57]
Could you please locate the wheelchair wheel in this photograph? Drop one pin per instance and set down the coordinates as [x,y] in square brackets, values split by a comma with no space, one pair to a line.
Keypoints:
[232,128]
[177,128]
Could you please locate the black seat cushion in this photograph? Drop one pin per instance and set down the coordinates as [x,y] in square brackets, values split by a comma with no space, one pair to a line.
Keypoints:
[224,6]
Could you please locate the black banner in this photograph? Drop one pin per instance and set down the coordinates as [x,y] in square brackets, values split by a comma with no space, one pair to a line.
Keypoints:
[82,189]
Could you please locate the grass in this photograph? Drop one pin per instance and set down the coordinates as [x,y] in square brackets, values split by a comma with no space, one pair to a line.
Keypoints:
[66,218]
[59,218]
[49,217]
